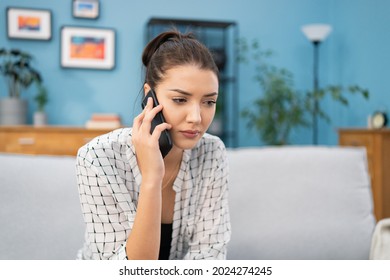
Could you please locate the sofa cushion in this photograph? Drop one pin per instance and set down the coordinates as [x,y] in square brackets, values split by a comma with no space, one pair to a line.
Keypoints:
[300,203]
[39,208]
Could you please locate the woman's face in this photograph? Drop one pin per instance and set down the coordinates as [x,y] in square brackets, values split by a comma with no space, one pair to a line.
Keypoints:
[188,95]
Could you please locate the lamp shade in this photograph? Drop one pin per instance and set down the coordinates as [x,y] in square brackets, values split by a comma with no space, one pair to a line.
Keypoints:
[316,32]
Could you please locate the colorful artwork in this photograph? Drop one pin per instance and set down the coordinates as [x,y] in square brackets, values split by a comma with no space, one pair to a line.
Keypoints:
[85,6]
[29,23]
[32,24]
[87,48]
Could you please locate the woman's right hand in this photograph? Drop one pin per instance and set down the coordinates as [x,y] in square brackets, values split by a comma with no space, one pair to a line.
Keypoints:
[149,158]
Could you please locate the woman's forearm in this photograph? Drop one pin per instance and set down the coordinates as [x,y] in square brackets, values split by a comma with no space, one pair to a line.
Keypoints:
[143,242]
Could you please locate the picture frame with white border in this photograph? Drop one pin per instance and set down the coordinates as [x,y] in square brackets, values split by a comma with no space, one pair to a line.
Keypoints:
[87,47]
[87,9]
[29,24]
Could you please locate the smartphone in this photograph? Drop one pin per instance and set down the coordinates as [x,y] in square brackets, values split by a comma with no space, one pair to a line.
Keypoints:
[165,141]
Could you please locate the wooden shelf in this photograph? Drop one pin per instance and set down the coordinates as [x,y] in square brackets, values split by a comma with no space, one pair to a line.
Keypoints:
[47,140]
[377,144]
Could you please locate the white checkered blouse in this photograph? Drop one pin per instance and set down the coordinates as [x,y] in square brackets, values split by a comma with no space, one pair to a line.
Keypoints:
[109,182]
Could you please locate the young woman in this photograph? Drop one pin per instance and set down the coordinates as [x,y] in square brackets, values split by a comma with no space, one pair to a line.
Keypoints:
[139,205]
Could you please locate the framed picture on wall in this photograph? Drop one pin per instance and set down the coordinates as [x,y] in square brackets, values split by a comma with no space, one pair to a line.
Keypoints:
[87,47]
[31,24]
[86,9]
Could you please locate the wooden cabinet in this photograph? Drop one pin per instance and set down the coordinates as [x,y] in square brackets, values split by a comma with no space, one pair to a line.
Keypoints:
[48,140]
[377,143]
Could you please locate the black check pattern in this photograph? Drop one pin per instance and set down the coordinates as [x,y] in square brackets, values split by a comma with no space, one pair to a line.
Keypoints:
[109,181]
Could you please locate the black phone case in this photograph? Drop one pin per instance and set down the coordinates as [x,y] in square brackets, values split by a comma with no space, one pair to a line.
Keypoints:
[165,141]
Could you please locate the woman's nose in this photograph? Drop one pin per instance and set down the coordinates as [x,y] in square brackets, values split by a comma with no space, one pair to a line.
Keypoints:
[193,115]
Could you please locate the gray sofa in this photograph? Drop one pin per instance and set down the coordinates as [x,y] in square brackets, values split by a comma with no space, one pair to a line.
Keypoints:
[285,203]
[300,203]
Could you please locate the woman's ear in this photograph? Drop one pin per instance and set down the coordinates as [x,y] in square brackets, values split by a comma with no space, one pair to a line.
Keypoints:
[147,88]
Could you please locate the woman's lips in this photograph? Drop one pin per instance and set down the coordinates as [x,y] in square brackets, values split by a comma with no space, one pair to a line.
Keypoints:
[190,133]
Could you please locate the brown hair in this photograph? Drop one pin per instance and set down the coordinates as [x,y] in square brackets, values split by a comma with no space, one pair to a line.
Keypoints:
[170,49]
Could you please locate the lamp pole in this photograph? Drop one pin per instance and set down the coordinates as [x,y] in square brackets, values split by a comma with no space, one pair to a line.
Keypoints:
[316,105]
[316,33]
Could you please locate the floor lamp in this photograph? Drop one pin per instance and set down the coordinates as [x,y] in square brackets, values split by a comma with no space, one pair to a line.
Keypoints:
[316,33]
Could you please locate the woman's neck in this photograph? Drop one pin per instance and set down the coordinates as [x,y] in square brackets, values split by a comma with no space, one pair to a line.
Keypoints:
[173,157]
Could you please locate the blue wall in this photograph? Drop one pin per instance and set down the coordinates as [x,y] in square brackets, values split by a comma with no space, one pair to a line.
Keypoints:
[354,53]
[358,53]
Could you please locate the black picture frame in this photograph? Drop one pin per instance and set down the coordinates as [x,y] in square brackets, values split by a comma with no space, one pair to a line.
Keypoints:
[88,47]
[86,9]
[29,23]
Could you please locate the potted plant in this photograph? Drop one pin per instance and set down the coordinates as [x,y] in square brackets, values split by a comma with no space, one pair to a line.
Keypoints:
[15,66]
[279,110]
[41,99]
[280,107]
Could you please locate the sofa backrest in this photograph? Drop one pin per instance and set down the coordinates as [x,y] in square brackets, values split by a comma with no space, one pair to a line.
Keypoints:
[300,203]
[285,203]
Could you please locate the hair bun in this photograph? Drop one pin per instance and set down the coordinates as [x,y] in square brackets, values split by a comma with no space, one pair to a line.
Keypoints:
[172,49]
[155,43]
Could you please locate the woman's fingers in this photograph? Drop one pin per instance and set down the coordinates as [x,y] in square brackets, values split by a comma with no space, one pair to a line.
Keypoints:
[138,120]
[159,129]
[150,114]
[146,144]
[143,122]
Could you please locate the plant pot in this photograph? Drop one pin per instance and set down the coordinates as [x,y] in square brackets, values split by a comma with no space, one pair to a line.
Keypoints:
[13,111]
[40,119]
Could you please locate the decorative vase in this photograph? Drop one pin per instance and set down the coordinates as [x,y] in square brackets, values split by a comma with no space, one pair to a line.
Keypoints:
[40,118]
[13,111]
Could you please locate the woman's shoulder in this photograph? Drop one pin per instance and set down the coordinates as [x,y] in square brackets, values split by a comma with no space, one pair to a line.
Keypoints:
[115,141]
[119,136]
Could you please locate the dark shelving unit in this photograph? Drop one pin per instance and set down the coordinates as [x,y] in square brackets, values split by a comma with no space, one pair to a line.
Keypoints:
[220,37]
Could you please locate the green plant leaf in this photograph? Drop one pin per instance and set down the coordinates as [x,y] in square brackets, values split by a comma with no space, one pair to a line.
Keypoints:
[280,108]
[15,66]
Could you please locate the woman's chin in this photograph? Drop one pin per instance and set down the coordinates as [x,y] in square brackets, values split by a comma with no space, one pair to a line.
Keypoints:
[186,144]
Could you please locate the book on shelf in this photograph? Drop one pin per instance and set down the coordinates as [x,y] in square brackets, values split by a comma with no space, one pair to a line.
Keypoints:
[105,117]
[104,121]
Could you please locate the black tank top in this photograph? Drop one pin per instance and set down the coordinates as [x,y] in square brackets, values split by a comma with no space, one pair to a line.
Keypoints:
[165,242]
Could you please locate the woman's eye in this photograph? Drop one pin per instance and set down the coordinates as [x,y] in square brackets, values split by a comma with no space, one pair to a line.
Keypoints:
[210,102]
[179,100]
